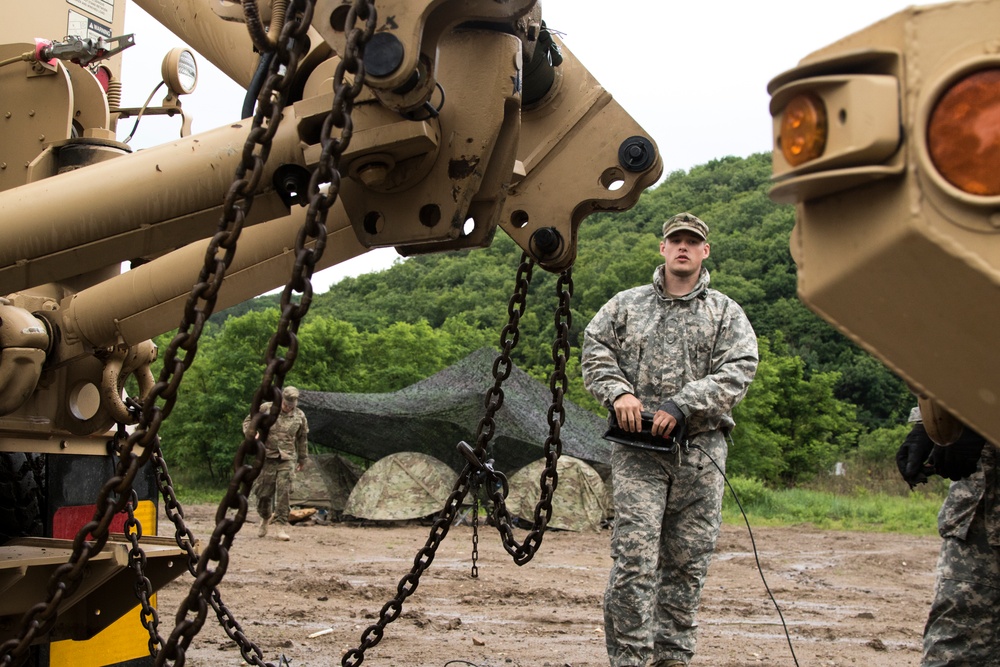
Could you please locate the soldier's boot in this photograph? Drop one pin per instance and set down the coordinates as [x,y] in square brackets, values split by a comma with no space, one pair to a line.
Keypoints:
[282,535]
[262,531]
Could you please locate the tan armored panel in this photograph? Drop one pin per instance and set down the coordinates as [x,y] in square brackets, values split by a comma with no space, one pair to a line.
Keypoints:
[46,104]
[888,143]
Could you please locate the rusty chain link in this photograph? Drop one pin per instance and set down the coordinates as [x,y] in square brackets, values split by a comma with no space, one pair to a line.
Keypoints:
[117,491]
[185,539]
[143,588]
[479,471]
[283,347]
[558,385]
[474,573]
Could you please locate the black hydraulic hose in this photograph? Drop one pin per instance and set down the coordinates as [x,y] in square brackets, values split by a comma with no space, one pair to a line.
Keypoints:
[256,83]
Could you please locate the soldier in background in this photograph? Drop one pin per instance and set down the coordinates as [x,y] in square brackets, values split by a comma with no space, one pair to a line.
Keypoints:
[286,440]
[963,627]
[686,353]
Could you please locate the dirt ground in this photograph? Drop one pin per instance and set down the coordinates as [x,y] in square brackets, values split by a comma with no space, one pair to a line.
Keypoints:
[857,599]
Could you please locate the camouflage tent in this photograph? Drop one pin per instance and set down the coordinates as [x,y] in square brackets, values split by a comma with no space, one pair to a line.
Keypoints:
[325,482]
[404,485]
[433,415]
[580,502]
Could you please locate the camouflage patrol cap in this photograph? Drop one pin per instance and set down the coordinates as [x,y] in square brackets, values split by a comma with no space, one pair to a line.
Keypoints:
[290,394]
[685,221]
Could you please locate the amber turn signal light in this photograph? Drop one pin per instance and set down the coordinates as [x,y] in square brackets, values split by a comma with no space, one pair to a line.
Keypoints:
[963,133]
[803,132]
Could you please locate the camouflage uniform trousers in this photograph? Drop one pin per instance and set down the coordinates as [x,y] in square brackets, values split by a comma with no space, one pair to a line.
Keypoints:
[667,519]
[273,487]
[962,628]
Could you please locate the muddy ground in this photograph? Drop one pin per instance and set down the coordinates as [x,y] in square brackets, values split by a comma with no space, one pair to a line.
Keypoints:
[857,599]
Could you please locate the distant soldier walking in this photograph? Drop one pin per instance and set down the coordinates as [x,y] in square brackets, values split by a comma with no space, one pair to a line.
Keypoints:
[286,440]
[686,353]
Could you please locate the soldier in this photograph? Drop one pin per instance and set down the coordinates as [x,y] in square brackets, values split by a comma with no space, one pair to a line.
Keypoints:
[285,440]
[962,625]
[688,354]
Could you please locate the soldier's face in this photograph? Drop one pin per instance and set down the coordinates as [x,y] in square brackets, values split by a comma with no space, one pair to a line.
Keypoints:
[684,253]
[287,406]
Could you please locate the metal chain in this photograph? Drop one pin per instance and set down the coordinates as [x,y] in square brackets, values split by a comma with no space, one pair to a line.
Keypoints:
[502,365]
[558,385]
[143,588]
[117,490]
[185,540]
[480,471]
[475,538]
[446,517]
[283,347]
[132,529]
[408,584]
[40,618]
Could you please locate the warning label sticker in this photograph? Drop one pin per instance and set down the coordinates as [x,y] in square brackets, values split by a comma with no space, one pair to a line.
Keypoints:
[85,27]
[102,9]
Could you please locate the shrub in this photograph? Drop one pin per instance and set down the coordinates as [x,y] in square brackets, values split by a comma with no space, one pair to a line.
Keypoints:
[751,491]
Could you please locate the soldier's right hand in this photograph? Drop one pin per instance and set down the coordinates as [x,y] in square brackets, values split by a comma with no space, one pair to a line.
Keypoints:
[958,460]
[628,412]
[911,459]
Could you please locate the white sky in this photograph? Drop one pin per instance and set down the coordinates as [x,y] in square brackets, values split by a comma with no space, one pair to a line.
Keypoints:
[693,74]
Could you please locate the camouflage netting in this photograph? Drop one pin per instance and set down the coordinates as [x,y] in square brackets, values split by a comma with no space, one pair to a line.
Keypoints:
[580,502]
[404,485]
[325,482]
[433,415]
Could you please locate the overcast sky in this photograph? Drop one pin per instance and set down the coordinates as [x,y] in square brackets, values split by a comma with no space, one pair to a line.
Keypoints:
[693,74]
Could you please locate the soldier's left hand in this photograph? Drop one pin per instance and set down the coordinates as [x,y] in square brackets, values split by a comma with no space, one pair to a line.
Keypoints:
[667,420]
[663,424]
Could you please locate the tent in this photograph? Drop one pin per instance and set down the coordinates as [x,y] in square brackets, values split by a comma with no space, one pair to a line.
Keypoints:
[325,482]
[433,415]
[404,485]
[580,502]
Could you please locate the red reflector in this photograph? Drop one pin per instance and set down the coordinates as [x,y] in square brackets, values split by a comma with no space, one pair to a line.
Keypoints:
[67,521]
[103,75]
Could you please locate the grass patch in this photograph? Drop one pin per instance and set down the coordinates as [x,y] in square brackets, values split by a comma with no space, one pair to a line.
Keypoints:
[915,513]
[196,489]
[198,495]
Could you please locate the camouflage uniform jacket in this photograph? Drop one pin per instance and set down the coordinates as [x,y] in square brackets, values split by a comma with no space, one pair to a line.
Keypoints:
[697,350]
[965,496]
[288,436]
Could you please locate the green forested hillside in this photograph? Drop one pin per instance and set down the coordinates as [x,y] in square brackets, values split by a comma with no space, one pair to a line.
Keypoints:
[814,396]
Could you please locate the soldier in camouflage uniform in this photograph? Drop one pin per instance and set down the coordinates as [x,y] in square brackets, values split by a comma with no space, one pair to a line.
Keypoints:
[286,440]
[963,628]
[688,354]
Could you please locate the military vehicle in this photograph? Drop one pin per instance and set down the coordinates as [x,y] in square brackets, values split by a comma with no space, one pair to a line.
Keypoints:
[472,115]
[888,143]
[421,125]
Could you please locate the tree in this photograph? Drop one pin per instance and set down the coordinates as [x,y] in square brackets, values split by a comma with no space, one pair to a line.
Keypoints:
[403,353]
[379,332]
[790,426]
[331,356]
[206,425]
